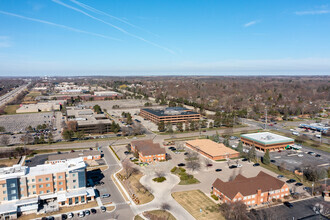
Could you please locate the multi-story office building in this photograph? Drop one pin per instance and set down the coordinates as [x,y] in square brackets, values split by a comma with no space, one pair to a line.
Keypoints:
[172,115]
[88,121]
[23,188]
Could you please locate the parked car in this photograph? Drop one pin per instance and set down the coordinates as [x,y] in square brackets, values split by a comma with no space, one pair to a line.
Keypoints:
[186,153]
[209,165]
[299,184]
[272,161]
[126,152]
[300,155]
[244,159]
[93,211]
[218,170]
[288,204]
[181,165]
[70,215]
[87,212]
[81,214]
[317,155]
[256,164]
[64,216]
[27,161]
[107,195]
[103,209]
[291,181]
[280,176]
[239,165]
[232,166]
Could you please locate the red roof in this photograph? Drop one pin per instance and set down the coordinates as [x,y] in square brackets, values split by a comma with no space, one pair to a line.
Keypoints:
[248,186]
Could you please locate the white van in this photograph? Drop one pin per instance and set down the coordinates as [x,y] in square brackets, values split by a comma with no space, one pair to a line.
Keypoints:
[295,133]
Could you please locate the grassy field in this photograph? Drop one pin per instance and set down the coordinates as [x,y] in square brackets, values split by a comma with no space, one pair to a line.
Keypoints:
[8,162]
[63,210]
[137,217]
[33,94]
[198,205]
[185,179]
[159,214]
[186,138]
[133,186]
[11,109]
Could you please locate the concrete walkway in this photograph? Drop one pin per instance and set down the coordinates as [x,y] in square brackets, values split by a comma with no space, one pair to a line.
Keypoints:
[162,192]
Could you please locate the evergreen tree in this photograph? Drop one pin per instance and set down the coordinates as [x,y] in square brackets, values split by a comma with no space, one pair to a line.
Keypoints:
[179,126]
[161,126]
[252,153]
[240,147]
[266,158]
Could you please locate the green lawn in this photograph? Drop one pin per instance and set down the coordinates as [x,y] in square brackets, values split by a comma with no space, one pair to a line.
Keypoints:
[11,109]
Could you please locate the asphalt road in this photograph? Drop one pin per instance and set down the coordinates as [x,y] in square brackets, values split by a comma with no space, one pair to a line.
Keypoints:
[123,210]
[12,94]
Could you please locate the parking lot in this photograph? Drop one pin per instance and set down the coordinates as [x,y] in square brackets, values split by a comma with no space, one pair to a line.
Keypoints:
[19,122]
[300,209]
[298,159]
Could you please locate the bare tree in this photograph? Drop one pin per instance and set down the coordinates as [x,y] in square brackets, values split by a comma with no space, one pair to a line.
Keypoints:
[128,169]
[234,211]
[4,140]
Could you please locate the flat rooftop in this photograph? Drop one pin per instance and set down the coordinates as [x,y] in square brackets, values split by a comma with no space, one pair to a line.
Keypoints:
[170,111]
[66,156]
[267,138]
[87,117]
[211,148]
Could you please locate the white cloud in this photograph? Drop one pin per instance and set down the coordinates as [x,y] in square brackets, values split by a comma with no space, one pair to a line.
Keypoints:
[313,12]
[251,23]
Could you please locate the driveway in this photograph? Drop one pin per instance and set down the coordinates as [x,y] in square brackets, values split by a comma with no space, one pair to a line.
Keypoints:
[162,192]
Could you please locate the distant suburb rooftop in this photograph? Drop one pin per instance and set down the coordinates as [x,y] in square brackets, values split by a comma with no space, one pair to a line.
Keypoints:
[266,140]
[171,114]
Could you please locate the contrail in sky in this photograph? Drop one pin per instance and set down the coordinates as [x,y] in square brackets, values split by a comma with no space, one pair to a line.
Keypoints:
[89,8]
[57,25]
[114,26]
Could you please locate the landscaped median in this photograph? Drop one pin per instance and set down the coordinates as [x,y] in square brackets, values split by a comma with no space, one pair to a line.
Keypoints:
[185,179]
[198,205]
[131,182]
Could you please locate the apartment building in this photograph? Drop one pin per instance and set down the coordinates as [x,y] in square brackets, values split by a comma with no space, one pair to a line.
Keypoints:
[148,151]
[266,141]
[172,115]
[252,191]
[23,188]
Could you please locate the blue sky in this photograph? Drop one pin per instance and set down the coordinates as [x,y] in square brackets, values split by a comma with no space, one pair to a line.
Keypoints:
[151,37]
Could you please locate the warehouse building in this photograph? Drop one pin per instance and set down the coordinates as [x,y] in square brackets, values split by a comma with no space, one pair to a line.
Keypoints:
[211,149]
[266,140]
[173,115]
[40,107]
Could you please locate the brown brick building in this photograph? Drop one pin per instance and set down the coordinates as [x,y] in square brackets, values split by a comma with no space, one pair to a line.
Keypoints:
[148,151]
[173,115]
[251,191]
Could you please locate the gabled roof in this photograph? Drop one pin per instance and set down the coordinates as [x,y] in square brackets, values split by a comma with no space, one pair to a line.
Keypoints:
[147,147]
[248,186]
